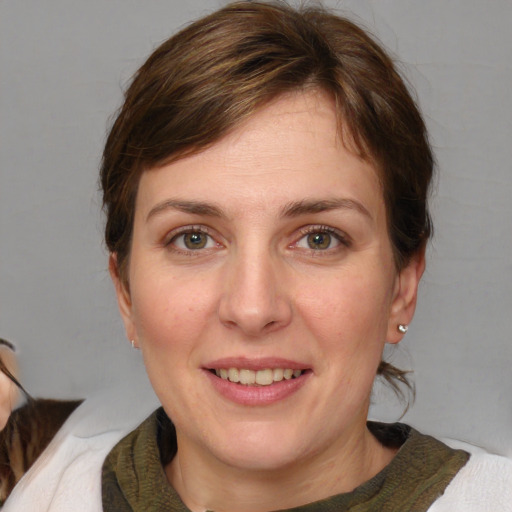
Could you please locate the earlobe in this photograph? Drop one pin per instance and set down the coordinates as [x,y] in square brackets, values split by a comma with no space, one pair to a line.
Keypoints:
[123,296]
[405,297]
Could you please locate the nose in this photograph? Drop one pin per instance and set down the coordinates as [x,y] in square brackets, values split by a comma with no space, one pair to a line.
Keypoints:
[255,298]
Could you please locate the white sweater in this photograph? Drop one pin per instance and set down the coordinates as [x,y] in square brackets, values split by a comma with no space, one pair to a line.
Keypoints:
[67,476]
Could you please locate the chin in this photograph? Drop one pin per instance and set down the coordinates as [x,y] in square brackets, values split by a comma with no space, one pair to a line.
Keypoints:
[255,458]
[261,447]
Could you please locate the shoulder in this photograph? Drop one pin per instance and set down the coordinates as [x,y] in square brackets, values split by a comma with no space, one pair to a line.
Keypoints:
[67,476]
[142,452]
[484,484]
[459,477]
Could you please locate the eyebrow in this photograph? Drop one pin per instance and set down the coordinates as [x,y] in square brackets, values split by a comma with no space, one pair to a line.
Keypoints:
[304,207]
[293,209]
[194,207]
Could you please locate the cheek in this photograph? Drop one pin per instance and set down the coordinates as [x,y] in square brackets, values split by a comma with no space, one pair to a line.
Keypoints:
[348,311]
[169,312]
[171,317]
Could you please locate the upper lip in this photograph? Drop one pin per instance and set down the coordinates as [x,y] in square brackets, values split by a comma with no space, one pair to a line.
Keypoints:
[255,364]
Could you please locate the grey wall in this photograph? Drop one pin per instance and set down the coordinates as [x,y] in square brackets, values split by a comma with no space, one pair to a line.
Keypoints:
[62,68]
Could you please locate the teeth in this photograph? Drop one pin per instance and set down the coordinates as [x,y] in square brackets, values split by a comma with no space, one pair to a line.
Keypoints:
[278,374]
[264,377]
[247,377]
[260,377]
[233,375]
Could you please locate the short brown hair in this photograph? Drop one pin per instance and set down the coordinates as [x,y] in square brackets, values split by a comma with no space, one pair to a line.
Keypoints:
[205,80]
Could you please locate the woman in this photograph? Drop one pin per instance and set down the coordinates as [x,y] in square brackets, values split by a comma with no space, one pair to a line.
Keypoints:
[265,185]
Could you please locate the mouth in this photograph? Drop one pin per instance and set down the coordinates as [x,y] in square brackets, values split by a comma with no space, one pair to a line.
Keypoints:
[257,381]
[263,377]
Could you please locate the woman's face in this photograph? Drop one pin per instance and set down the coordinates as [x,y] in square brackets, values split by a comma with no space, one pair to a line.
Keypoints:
[262,258]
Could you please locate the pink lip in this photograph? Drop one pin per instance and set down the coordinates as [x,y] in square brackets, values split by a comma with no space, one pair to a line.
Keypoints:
[256,395]
[255,364]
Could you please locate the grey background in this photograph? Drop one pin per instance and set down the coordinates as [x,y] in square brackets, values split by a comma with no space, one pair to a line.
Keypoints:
[63,65]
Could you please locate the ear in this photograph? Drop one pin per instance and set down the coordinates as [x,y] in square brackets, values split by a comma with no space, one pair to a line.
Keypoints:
[123,297]
[405,296]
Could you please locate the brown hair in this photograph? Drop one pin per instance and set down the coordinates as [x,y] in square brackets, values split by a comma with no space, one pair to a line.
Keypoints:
[205,80]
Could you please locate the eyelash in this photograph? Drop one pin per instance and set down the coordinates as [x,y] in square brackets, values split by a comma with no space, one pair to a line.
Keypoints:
[342,238]
[185,230]
[339,236]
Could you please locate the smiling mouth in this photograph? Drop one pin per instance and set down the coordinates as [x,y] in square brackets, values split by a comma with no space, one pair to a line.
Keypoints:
[265,377]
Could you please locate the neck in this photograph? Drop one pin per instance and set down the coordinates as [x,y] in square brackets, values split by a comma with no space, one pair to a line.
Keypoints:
[206,483]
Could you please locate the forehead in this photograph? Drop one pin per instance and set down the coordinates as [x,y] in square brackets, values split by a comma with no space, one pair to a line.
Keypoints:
[288,150]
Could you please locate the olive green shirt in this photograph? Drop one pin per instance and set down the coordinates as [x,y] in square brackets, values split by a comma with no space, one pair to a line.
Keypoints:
[134,479]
